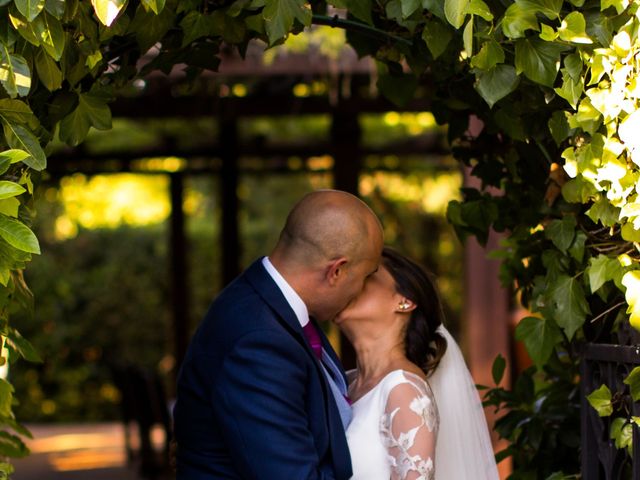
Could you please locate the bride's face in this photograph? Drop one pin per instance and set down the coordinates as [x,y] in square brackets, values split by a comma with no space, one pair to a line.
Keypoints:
[377,301]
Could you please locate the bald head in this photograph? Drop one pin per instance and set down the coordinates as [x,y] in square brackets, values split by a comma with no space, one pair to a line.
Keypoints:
[327,224]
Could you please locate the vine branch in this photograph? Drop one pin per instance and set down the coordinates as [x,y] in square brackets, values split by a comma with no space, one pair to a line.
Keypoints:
[337,22]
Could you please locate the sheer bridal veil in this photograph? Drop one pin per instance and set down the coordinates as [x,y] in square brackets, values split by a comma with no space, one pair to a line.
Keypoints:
[463,448]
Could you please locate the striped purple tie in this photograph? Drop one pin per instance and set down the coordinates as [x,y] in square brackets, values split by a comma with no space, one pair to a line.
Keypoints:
[313,337]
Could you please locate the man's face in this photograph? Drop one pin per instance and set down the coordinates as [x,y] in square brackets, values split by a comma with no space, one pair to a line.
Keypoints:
[356,274]
[351,280]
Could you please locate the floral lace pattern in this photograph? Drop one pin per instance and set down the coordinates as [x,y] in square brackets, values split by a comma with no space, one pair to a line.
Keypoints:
[409,428]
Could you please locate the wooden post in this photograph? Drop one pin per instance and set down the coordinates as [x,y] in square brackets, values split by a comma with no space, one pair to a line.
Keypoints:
[179,270]
[231,248]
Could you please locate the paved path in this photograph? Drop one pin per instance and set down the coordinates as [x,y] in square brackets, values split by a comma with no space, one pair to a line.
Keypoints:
[75,452]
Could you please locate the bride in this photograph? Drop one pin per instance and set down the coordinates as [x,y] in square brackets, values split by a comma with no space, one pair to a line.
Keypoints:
[416,412]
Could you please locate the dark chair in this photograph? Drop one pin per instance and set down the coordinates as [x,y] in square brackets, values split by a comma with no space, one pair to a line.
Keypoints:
[143,406]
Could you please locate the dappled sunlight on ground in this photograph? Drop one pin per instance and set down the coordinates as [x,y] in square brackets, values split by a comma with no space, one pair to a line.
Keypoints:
[88,451]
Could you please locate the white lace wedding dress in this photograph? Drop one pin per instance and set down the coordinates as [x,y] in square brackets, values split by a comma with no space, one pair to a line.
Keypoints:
[394,429]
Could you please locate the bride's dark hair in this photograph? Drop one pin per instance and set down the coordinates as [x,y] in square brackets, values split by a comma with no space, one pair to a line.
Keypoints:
[424,346]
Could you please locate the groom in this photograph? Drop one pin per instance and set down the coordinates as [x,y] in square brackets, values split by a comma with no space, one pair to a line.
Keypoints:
[261,394]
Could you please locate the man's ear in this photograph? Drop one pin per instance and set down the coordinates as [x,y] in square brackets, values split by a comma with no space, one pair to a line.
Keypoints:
[336,270]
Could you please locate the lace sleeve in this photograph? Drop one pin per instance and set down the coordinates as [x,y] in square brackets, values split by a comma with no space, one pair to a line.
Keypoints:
[409,428]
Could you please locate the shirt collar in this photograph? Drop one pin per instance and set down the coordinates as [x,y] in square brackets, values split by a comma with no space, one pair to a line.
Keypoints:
[294,300]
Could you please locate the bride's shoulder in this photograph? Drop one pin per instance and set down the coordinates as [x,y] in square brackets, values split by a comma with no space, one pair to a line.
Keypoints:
[417,381]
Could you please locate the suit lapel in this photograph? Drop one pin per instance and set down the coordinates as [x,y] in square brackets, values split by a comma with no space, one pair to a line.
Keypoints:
[273,297]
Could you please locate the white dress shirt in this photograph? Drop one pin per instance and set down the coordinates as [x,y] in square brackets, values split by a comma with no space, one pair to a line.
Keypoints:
[293,299]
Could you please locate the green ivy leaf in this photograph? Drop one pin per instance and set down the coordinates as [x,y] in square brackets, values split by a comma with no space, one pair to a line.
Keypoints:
[547,33]
[280,14]
[30,9]
[55,8]
[409,7]
[576,250]
[25,28]
[588,118]
[361,9]
[628,130]
[570,304]
[155,5]
[559,126]
[48,71]
[6,398]
[5,163]
[496,83]
[490,54]
[9,157]
[631,282]
[195,25]
[18,235]
[20,138]
[12,446]
[600,400]
[602,211]
[621,432]
[548,8]
[149,28]
[18,111]
[629,233]
[601,269]
[240,6]
[497,370]
[555,263]
[9,207]
[434,6]
[518,19]
[599,27]
[398,89]
[10,189]
[573,64]
[108,10]
[255,23]
[229,28]
[467,37]
[619,5]
[50,34]
[562,232]
[571,90]
[437,36]
[540,336]
[8,35]
[573,28]
[479,8]
[92,111]
[633,380]
[454,11]
[23,347]
[15,75]
[510,122]
[538,60]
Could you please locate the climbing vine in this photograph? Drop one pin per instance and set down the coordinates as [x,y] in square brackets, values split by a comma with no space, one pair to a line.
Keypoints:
[552,88]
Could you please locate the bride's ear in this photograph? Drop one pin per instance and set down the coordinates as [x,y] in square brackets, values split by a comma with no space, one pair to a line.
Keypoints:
[405,305]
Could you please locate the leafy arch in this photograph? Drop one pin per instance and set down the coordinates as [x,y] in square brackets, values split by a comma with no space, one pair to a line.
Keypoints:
[554,84]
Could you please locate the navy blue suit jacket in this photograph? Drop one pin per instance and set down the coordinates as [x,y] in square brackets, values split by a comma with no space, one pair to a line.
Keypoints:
[252,401]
